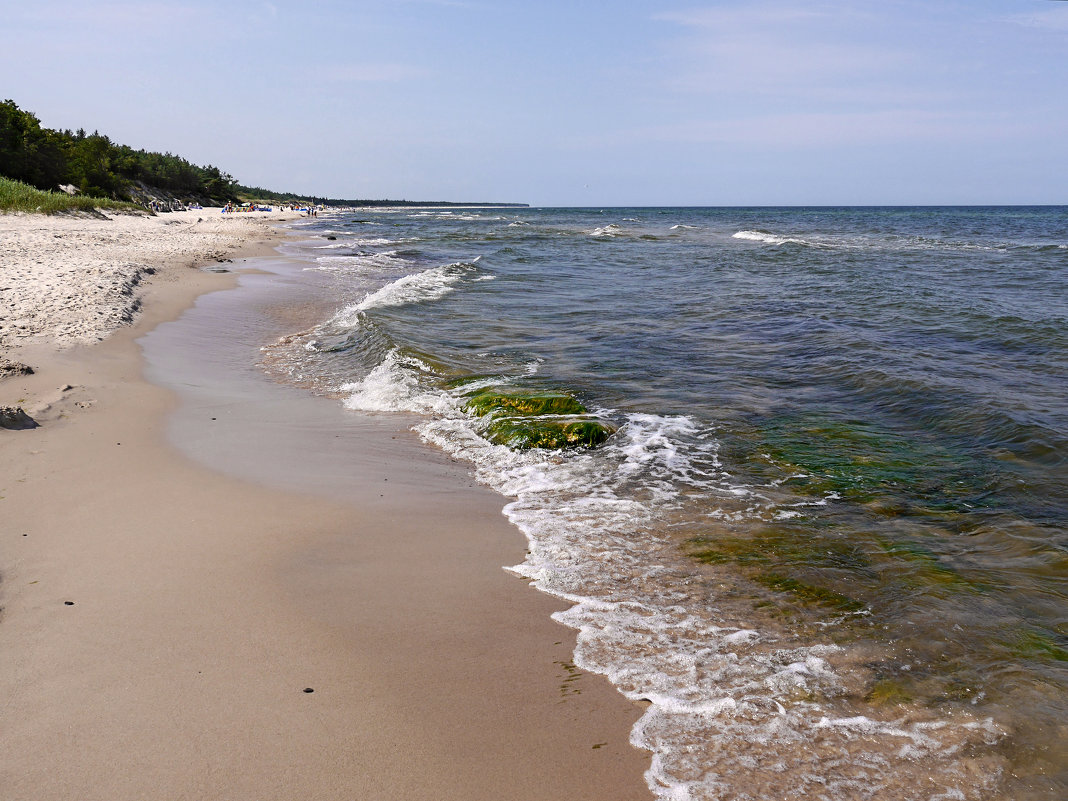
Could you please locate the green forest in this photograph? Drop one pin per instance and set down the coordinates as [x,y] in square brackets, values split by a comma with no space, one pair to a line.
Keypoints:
[96,166]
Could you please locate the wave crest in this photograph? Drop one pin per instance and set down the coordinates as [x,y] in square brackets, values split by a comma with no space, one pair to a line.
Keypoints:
[429,285]
[767,239]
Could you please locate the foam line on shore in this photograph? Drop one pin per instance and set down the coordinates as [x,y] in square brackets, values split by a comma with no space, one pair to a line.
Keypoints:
[205,602]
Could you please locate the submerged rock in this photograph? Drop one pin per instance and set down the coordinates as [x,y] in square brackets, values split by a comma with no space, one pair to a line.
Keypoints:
[528,418]
[551,431]
[514,401]
[14,418]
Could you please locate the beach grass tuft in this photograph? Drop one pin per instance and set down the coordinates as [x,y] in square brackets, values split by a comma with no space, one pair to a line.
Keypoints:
[16,196]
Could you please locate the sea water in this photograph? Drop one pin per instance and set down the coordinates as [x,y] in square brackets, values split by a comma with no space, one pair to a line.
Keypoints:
[825,547]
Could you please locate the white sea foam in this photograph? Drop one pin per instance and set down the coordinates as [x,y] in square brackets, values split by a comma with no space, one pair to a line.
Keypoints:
[718,690]
[887,242]
[724,698]
[359,264]
[606,231]
[392,386]
[459,216]
[377,241]
[428,285]
[359,242]
[767,239]
[683,227]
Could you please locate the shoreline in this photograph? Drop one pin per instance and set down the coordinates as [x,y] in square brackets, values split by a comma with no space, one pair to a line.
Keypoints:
[204,604]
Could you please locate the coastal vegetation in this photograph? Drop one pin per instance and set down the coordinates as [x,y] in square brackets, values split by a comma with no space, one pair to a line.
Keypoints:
[19,196]
[92,166]
[260,195]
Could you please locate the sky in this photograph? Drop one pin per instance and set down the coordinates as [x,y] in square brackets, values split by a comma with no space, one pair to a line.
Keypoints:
[577,103]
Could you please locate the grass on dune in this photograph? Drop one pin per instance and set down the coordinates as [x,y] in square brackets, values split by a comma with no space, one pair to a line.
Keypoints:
[15,196]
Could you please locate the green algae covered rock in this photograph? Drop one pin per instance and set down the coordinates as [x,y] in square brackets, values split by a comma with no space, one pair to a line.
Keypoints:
[534,418]
[548,431]
[517,401]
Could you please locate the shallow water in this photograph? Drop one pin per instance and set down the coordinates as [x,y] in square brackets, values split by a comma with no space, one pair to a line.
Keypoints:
[826,542]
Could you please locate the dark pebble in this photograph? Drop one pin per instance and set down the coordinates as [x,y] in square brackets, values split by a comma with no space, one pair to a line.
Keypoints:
[308,690]
[68,603]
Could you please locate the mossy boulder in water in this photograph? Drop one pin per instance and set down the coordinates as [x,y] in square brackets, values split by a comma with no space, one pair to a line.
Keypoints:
[530,418]
[513,401]
[553,432]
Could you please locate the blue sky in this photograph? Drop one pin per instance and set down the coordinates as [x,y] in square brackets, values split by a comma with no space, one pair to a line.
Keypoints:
[633,102]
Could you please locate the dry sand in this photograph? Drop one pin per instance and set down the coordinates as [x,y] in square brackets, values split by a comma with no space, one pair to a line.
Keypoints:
[162,621]
[74,279]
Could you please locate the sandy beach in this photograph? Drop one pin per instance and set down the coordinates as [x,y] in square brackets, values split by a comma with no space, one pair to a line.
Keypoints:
[177,624]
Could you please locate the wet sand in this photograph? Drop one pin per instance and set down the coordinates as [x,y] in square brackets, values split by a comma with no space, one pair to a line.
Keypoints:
[285,545]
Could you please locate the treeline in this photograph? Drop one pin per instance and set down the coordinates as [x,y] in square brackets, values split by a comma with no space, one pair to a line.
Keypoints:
[95,165]
[258,193]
